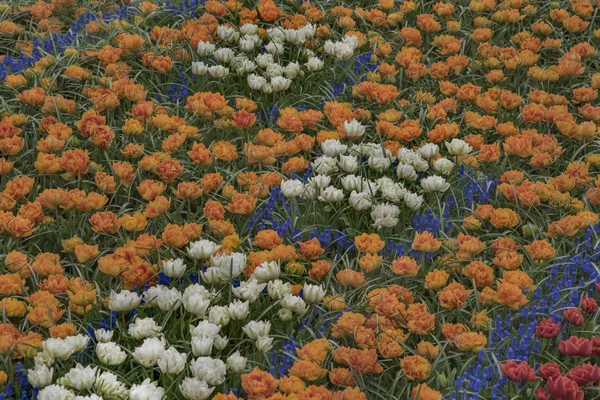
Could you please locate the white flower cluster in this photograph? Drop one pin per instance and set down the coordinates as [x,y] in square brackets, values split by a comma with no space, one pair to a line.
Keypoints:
[244,53]
[146,342]
[79,378]
[206,372]
[341,172]
[224,267]
[343,49]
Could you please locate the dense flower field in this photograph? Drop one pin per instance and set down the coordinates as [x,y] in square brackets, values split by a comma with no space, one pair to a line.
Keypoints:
[318,200]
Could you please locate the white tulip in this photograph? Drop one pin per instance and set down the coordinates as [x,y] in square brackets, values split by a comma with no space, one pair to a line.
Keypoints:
[247,44]
[80,377]
[266,271]
[209,369]
[379,163]
[206,329]
[256,82]
[284,314]
[202,346]
[443,166]
[243,66]
[196,300]
[149,352]
[54,392]
[406,172]
[333,147]
[218,71]
[229,265]
[385,215]
[354,128]
[319,181]
[236,362]
[360,201]
[352,182]
[458,147]
[227,33]
[147,390]
[194,388]
[275,48]
[292,188]
[239,310]
[202,249]
[102,335]
[276,34]
[40,376]
[313,293]
[205,49]
[279,83]
[143,328]
[224,55]
[291,70]
[171,361]
[123,301]
[251,289]
[434,183]
[174,268]
[295,304]
[78,342]
[294,36]
[390,190]
[314,64]
[110,353]
[264,344]
[412,158]
[348,164]
[60,349]
[324,165]
[199,68]
[219,315]
[264,60]
[309,30]
[249,29]
[221,342]
[274,69]
[331,194]
[308,192]
[256,329]
[163,297]
[110,387]
[90,397]
[413,201]
[277,289]
[429,150]
[211,275]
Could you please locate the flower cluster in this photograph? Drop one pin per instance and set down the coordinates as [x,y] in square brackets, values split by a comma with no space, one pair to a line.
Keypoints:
[271,200]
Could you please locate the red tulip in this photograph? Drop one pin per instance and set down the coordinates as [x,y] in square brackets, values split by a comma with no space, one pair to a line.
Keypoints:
[547,329]
[585,374]
[518,372]
[589,304]
[564,389]
[596,346]
[575,346]
[549,370]
[540,394]
[574,316]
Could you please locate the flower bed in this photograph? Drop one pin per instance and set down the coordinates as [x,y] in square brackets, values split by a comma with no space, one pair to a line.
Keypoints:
[299,200]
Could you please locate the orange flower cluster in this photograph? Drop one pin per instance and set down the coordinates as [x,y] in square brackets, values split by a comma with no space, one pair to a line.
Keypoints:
[45,306]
